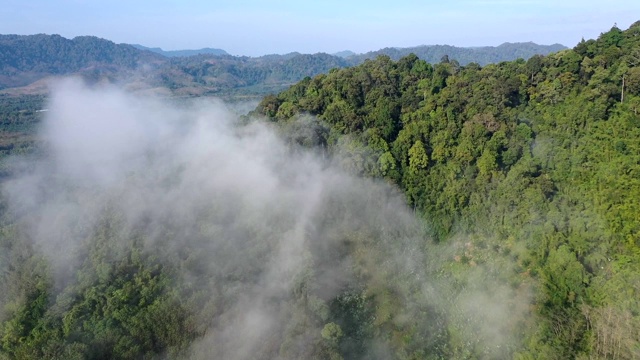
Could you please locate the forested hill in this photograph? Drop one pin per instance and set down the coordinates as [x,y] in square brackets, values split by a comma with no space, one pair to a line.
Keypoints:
[464,55]
[222,75]
[26,58]
[535,163]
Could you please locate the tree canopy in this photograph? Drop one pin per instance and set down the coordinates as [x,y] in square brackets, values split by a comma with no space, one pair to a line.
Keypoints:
[524,176]
[537,159]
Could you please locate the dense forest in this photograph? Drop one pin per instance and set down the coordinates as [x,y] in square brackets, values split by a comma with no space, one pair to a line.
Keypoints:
[535,162]
[180,53]
[395,209]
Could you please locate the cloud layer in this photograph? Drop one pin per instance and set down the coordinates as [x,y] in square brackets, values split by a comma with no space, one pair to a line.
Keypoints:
[266,244]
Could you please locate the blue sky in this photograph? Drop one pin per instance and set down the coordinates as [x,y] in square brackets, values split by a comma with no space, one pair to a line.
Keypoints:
[253,27]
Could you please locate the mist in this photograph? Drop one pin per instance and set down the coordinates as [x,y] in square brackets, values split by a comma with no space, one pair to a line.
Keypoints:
[268,248]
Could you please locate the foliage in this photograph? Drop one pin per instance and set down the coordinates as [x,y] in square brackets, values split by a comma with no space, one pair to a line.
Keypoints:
[526,173]
[537,158]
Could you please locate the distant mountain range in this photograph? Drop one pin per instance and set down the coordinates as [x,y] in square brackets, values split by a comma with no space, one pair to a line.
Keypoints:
[464,55]
[344,54]
[182,53]
[28,61]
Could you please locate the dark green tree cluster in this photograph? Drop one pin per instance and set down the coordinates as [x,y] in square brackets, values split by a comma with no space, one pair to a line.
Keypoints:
[537,161]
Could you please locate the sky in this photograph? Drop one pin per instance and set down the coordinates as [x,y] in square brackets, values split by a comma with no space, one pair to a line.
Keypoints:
[255,27]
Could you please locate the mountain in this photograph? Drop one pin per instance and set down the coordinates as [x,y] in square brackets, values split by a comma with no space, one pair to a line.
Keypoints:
[28,58]
[528,170]
[182,53]
[482,55]
[344,54]
[220,75]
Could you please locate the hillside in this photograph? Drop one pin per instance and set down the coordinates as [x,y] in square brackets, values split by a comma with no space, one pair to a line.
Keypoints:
[390,210]
[395,209]
[28,58]
[224,75]
[533,164]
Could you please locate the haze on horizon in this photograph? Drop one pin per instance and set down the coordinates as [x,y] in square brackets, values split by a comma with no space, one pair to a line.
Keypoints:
[254,28]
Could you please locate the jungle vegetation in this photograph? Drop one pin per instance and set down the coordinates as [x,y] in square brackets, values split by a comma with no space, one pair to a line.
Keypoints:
[524,177]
